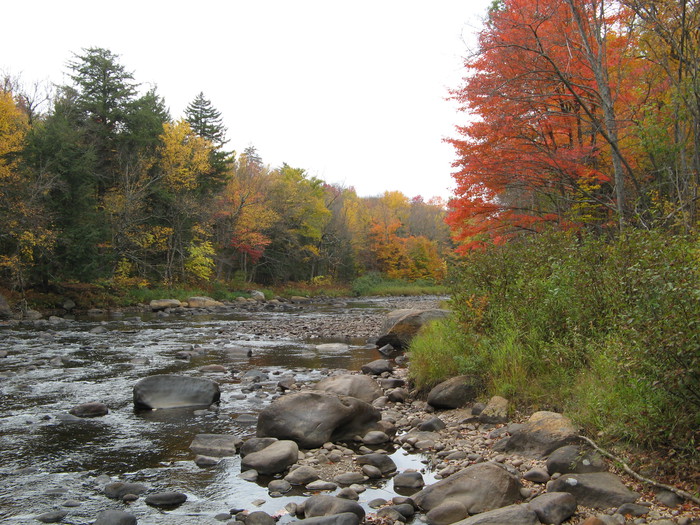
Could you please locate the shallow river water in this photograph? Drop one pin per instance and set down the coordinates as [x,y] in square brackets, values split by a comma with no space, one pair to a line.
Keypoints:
[48,461]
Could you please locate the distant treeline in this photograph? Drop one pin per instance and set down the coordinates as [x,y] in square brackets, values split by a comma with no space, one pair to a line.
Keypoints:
[99,182]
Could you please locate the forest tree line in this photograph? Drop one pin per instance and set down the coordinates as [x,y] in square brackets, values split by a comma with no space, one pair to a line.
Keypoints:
[99,182]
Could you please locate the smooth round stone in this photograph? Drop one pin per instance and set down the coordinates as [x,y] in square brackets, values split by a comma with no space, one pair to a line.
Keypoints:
[166,499]
[115,517]
[279,485]
[94,409]
[52,517]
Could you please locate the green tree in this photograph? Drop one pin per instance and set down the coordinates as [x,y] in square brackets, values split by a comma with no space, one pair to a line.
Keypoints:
[206,121]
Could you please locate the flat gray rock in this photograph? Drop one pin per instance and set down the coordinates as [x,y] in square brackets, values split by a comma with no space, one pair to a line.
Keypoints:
[598,490]
[173,391]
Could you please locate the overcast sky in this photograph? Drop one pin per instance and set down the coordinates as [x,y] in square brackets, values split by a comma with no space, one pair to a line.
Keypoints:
[353,92]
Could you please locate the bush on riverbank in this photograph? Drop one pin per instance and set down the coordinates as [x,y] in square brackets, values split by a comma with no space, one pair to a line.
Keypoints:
[374,283]
[608,331]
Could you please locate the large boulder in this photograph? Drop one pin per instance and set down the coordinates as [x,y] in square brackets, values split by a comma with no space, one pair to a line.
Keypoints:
[359,386]
[554,507]
[163,304]
[203,302]
[599,490]
[541,435]
[172,391]
[455,392]
[314,418]
[480,488]
[403,325]
[273,459]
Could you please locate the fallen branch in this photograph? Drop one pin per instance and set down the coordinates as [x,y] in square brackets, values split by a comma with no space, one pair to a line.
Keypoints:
[678,492]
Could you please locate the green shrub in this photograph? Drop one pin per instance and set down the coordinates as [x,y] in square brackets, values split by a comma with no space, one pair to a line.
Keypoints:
[608,329]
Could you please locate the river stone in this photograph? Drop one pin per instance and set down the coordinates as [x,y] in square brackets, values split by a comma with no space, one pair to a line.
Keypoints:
[119,489]
[541,435]
[279,485]
[447,512]
[344,518]
[572,459]
[325,505]
[257,295]
[162,304]
[259,518]
[349,478]
[255,445]
[554,507]
[171,391]
[333,348]
[382,461]
[410,479]
[207,461]
[455,392]
[93,409]
[319,484]
[115,517]
[431,425]
[512,515]
[216,369]
[166,499]
[495,411]
[272,459]
[403,325]
[359,386]
[375,437]
[480,488]
[599,490]
[203,302]
[53,516]
[314,418]
[218,445]
[302,475]
[377,367]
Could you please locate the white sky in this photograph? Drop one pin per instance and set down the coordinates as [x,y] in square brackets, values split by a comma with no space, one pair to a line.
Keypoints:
[353,92]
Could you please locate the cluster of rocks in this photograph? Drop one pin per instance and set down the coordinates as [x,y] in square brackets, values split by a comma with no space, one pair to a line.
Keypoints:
[335,438]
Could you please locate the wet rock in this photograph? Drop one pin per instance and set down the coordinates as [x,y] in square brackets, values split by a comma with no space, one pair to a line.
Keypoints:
[495,411]
[386,350]
[171,391]
[403,325]
[321,485]
[115,517]
[454,393]
[512,515]
[275,458]
[554,507]
[54,516]
[348,493]
[302,475]
[390,515]
[333,348]
[447,512]
[166,499]
[219,445]
[409,479]
[214,369]
[381,461]
[93,409]
[119,489]
[255,445]
[480,488]
[249,475]
[345,518]
[323,505]
[572,459]
[377,367]
[207,461]
[372,472]
[541,435]
[599,490]
[313,418]
[279,485]
[359,386]
[203,302]
[158,305]
[259,518]
[348,478]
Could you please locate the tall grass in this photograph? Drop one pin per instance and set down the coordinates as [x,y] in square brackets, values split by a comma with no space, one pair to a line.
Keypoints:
[608,330]
[374,283]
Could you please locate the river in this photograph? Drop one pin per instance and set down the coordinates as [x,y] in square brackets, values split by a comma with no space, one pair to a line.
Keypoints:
[50,462]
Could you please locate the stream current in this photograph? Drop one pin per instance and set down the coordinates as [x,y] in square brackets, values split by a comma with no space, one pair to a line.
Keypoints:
[48,462]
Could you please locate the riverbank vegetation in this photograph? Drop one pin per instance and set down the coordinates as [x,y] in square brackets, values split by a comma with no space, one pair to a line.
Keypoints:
[576,209]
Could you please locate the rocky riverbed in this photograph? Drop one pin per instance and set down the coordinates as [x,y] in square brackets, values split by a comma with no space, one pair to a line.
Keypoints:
[186,465]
